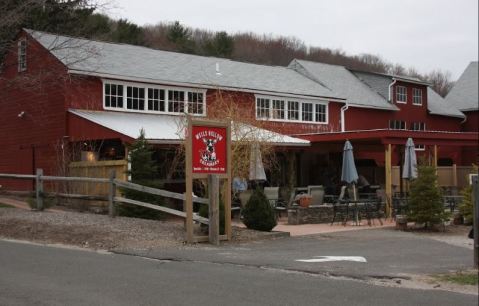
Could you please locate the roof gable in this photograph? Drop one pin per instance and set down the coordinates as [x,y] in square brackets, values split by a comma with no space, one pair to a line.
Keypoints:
[342,81]
[464,95]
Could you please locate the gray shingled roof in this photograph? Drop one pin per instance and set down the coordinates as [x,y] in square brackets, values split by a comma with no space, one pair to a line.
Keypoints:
[464,94]
[380,83]
[437,105]
[135,62]
[342,81]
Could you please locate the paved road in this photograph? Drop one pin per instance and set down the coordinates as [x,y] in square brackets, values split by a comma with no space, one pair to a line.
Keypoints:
[389,253]
[40,275]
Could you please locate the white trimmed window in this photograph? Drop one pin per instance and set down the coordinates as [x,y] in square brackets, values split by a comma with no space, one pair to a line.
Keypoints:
[278,110]
[401,94]
[176,101]
[22,55]
[128,96]
[397,125]
[416,96]
[195,102]
[418,126]
[156,99]
[307,112]
[320,113]
[293,110]
[113,95]
[135,98]
[286,110]
[262,108]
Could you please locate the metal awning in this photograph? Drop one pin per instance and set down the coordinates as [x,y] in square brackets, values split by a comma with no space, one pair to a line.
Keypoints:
[168,129]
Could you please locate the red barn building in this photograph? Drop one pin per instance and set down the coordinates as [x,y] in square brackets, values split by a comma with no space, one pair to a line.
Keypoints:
[58,92]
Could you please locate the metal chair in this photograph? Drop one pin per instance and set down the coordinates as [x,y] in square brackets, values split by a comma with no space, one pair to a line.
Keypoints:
[272,194]
[317,194]
[341,207]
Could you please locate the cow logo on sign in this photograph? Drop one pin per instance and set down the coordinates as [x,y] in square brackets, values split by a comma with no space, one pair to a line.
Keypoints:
[208,156]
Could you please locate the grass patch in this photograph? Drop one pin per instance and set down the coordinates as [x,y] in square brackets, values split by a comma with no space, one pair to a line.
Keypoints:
[3,205]
[461,278]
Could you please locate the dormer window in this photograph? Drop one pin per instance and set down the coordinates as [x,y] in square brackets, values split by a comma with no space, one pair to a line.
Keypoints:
[289,110]
[149,98]
[22,55]
[417,96]
[401,94]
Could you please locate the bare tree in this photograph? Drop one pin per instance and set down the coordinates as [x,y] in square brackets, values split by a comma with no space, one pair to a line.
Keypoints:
[441,81]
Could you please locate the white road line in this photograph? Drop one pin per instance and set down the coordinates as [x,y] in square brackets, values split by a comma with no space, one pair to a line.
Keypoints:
[334,258]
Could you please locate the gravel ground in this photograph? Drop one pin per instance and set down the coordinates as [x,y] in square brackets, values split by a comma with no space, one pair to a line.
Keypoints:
[99,231]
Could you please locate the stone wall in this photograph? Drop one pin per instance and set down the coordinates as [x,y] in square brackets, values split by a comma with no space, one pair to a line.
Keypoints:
[310,215]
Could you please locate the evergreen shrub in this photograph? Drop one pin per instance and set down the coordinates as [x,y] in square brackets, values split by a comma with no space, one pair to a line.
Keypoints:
[258,214]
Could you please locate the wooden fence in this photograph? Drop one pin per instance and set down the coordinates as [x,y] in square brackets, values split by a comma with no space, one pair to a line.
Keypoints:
[110,184]
[454,176]
[96,169]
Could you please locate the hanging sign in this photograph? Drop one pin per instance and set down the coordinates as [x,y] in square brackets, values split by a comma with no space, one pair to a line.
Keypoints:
[209,149]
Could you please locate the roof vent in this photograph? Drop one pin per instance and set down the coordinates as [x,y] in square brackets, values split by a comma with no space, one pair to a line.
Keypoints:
[218,69]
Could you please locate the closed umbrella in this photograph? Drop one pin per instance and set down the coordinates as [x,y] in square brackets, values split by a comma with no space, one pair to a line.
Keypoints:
[410,162]
[256,168]
[349,174]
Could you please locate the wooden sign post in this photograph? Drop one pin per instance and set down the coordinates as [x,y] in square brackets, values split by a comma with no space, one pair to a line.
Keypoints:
[208,156]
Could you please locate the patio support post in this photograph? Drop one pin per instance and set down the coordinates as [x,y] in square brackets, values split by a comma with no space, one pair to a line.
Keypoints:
[454,175]
[189,188]
[435,157]
[388,183]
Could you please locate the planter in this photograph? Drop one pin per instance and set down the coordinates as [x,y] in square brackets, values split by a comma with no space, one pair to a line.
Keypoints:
[401,222]
[305,201]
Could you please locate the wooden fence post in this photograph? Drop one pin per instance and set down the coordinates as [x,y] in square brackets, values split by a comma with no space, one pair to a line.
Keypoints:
[213,216]
[475,205]
[39,189]
[111,194]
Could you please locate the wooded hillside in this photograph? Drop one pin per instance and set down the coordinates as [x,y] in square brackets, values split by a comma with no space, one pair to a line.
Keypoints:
[78,18]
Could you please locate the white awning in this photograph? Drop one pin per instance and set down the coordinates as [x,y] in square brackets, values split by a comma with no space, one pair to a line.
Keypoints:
[168,129]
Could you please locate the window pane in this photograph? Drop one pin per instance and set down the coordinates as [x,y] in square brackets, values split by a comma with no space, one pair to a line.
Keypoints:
[195,103]
[176,101]
[278,109]
[262,108]
[320,114]
[293,110]
[307,112]
[113,95]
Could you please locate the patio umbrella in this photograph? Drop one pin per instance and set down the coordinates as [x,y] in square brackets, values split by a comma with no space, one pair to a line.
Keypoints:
[256,168]
[349,174]
[410,161]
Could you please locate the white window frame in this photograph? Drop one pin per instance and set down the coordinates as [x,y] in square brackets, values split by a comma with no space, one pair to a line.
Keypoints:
[417,94]
[400,123]
[398,94]
[22,55]
[416,126]
[153,86]
[419,147]
[300,102]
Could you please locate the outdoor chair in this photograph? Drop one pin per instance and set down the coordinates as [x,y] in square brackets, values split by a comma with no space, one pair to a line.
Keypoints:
[372,209]
[272,194]
[317,194]
[244,197]
[341,207]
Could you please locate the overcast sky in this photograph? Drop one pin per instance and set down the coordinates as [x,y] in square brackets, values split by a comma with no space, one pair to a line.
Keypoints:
[425,34]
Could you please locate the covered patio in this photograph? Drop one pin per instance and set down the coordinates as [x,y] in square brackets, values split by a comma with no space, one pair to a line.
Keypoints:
[379,155]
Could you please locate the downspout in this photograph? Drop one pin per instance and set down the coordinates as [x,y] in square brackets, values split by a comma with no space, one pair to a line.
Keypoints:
[390,88]
[465,119]
[343,118]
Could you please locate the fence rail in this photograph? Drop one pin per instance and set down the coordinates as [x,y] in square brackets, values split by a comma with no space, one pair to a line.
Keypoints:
[113,200]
